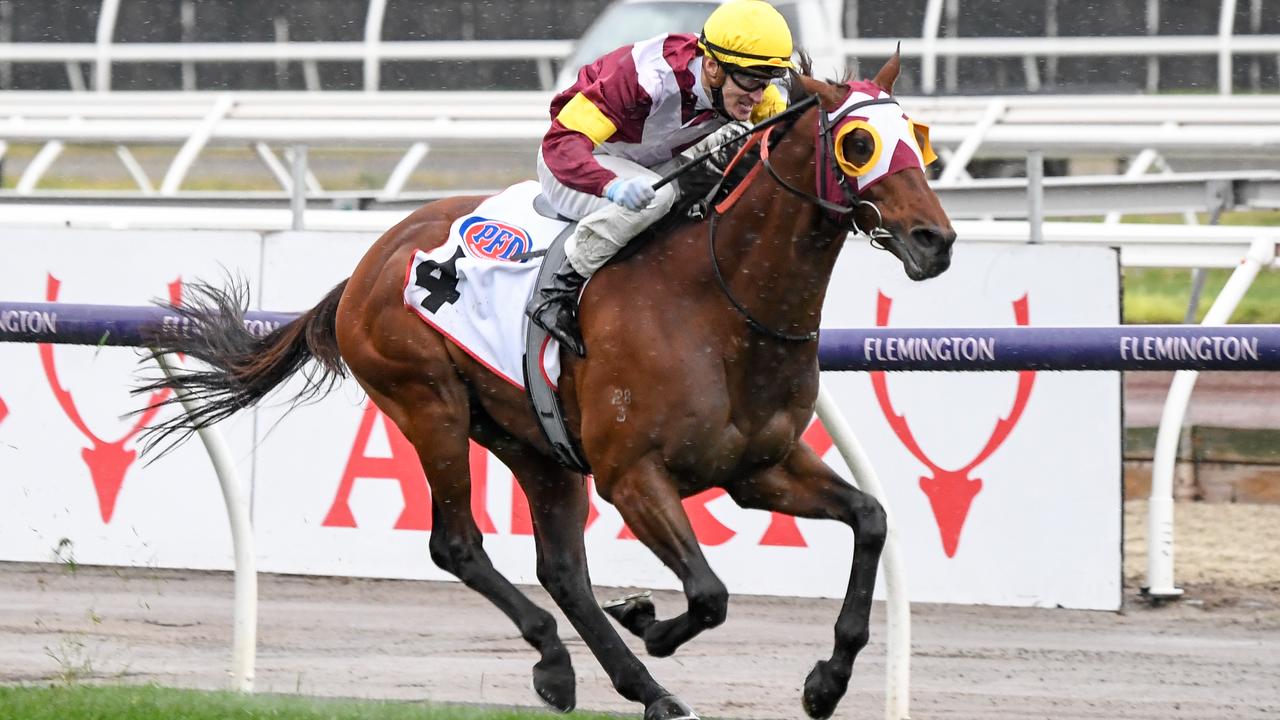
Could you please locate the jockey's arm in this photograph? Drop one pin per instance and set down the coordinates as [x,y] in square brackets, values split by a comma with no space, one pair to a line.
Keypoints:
[567,148]
[609,105]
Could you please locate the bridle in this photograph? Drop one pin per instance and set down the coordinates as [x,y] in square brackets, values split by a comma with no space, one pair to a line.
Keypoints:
[842,215]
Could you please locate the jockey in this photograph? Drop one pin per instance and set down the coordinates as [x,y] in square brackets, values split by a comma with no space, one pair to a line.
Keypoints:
[627,119]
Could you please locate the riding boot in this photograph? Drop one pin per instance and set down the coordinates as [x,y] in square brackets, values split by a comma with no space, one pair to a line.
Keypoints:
[554,308]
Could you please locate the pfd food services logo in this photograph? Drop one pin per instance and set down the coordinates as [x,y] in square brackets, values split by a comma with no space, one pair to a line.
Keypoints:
[494,239]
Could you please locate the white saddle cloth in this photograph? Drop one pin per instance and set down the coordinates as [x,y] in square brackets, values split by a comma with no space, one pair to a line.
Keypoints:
[474,290]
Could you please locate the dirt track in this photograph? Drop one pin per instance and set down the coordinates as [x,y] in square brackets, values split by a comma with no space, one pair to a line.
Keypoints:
[1214,655]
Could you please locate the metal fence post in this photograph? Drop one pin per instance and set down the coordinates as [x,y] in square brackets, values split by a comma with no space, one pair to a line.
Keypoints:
[298,188]
[1035,195]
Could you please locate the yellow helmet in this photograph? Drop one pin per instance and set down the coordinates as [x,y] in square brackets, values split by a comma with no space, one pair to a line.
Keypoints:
[749,34]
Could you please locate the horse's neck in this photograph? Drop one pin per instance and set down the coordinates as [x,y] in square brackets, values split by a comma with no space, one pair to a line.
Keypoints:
[775,251]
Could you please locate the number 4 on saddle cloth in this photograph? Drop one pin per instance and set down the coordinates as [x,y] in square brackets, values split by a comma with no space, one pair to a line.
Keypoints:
[474,288]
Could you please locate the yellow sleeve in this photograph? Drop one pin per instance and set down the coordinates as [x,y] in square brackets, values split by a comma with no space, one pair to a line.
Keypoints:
[582,115]
[770,104]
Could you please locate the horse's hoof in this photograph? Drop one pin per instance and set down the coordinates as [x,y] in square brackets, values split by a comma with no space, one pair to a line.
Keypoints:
[823,690]
[669,707]
[634,612]
[555,685]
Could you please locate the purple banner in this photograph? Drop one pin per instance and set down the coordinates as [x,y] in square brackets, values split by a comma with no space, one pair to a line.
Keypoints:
[1126,347]
[1130,347]
[117,325]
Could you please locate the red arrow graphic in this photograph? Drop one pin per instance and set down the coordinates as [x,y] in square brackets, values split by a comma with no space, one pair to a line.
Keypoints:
[951,492]
[108,461]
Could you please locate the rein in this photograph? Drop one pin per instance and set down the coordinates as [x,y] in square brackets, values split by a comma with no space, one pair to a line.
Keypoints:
[834,211]
[724,205]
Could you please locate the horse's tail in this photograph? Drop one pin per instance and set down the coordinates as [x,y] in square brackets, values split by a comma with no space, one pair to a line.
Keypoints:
[243,367]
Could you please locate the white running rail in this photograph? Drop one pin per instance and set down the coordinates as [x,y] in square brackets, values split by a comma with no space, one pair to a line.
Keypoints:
[104,52]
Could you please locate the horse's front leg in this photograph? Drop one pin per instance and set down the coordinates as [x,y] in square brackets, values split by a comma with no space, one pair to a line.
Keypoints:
[804,486]
[647,498]
[558,502]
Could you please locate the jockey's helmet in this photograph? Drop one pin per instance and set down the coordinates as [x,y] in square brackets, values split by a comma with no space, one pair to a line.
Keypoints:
[748,34]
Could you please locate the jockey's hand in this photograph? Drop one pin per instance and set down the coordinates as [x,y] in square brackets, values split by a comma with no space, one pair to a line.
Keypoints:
[632,193]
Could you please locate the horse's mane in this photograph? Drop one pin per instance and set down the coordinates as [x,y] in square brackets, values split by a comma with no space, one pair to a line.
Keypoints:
[697,182]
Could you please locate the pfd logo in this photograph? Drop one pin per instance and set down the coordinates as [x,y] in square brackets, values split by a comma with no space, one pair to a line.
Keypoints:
[494,239]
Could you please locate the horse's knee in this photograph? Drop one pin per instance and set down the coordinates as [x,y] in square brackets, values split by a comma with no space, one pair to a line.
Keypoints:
[452,554]
[708,601]
[869,521]
[556,573]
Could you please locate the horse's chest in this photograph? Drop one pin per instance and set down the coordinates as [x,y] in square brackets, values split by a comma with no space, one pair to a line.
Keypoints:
[739,447]
[771,442]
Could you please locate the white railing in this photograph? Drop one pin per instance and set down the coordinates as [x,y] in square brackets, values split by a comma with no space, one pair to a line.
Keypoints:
[963,128]
[1140,244]
[1111,195]
[104,52]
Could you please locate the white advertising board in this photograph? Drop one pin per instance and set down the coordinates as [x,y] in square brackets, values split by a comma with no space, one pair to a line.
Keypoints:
[1005,486]
[1012,493]
[340,492]
[71,485]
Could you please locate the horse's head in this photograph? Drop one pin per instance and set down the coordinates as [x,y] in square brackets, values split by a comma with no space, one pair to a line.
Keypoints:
[870,160]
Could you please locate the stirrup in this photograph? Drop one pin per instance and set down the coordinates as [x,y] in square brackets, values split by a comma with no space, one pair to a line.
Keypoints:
[565,336]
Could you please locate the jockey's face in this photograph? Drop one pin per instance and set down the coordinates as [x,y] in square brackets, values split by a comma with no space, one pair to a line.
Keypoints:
[741,91]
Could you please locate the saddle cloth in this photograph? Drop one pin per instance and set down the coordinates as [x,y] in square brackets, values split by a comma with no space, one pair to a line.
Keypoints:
[474,287]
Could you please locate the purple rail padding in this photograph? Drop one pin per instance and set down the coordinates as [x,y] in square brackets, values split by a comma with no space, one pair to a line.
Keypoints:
[1130,347]
[119,325]
[1126,347]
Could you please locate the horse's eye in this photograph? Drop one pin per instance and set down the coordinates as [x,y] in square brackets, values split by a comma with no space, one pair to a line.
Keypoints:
[862,146]
[857,147]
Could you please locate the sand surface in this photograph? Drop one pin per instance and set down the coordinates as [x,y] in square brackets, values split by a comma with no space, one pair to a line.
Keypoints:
[1215,654]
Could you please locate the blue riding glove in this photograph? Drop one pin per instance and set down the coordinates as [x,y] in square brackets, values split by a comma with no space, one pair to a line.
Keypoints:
[632,193]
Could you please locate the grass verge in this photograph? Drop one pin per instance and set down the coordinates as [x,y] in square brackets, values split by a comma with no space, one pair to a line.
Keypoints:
[1161,295]
[86,702]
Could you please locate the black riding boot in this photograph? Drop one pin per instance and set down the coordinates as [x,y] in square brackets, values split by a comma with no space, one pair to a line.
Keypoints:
[554,308]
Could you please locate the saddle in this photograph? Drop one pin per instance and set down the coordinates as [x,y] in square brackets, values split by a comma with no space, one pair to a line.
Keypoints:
[473,289]
[544,398]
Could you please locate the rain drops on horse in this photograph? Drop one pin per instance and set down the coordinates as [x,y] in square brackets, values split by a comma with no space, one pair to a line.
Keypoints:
[733,301]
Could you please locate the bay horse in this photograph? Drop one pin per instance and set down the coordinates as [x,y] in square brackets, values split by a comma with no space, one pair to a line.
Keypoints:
[712,345]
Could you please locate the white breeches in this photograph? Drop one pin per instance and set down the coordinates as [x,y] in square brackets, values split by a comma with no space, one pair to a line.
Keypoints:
[603,227]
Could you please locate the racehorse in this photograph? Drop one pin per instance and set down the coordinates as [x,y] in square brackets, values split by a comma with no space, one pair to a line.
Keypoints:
[701,372]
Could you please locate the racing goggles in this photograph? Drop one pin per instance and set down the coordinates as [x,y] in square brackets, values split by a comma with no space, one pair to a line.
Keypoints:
[753,79]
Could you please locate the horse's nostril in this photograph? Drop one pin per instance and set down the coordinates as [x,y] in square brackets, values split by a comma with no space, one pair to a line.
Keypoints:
[934,237]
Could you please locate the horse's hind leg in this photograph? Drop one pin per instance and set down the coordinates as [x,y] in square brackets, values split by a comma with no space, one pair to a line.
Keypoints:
[558,503]
[439,431]
[650,505]
[804,486]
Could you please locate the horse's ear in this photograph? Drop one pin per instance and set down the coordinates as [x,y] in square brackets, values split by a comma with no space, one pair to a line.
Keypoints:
[811,85]
[829,96]
[888,74]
